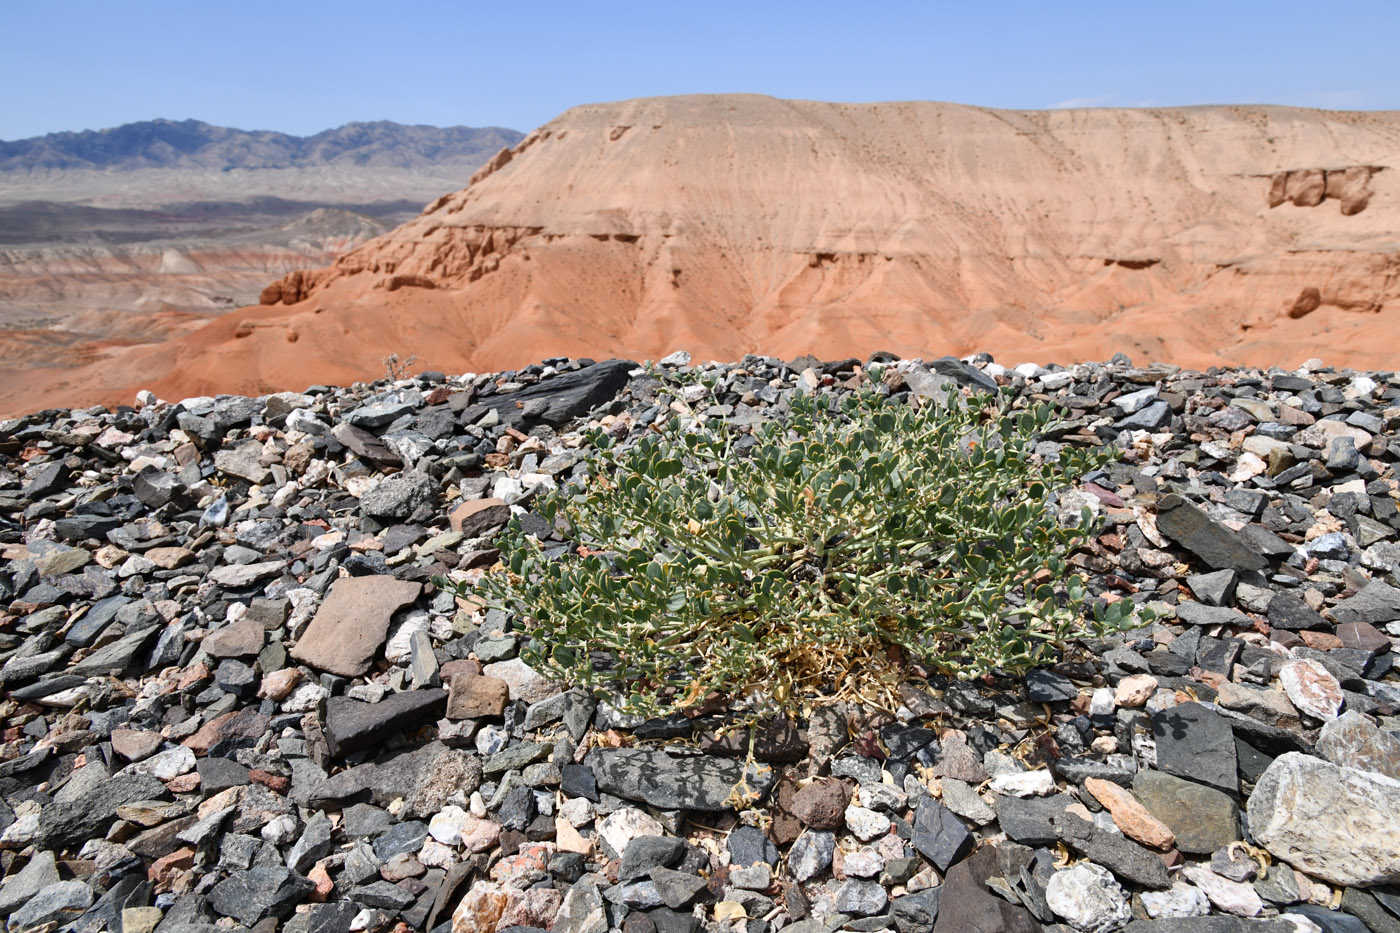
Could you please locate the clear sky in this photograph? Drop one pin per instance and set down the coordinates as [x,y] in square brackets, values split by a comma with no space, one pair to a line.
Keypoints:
[301,66]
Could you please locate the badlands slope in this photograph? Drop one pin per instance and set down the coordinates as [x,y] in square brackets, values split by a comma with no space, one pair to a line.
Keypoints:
[727,224]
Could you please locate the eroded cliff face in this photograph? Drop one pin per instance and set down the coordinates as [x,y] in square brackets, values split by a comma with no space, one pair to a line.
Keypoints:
[728,224]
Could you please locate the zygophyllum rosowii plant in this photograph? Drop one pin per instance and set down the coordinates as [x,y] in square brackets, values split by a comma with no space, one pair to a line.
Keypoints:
[852,538]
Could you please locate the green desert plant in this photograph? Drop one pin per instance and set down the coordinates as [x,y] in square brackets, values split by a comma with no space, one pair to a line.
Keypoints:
[814,562]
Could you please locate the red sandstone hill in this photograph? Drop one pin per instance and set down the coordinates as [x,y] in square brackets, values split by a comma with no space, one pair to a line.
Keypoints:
[727,224]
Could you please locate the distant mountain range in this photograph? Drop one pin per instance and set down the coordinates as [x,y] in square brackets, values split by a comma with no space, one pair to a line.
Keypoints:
[192,144]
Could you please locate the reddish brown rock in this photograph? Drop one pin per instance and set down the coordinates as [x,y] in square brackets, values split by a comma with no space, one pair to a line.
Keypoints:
[1130,815]
[1362,636]
[134,744]
[1308,301]
[242,639]
[321,878]
[473,696]
[475,517]
[536,908]
[273,782]
[279,684]
[183,783]
[822,803]
[1306,188]
[162,868]
[244,724]
[1134,690]
[168,558]
[350,627]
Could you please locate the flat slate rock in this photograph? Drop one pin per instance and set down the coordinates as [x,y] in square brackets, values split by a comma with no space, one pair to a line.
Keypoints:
[939,835]
[1201,614]
[396,775]
[1200,534]
[1202,819]
[666,782]
[352,725]
[1118,854]
[564,396]
[1287,611]
[967,905]
[1196,743]
[1029,820]
[350,627]
[67,822]
[1376,603]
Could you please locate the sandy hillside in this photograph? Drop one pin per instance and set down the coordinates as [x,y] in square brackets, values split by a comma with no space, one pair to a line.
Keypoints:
[727,224]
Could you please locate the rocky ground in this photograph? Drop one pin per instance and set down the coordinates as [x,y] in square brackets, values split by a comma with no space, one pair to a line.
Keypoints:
[233,700]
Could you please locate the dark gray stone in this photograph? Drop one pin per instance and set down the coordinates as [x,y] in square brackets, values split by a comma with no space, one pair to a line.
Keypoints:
[1209,540]
[577,781]
[236,677]
[40,872]
[1148,418]
[399,838]
[567,395]
[677,889]
[1367,907]
[219,774]
[71,823]
[313,845]
[1375,604]
[671,783]
[379,782]
[85,631]
[1080,769]
[645,853]
[967,905]
[939,835]
[1196,743]
[47,479]
[1027,820]
[963,374]
[382,894]
[1201,614]
[331,918]
[1045,686]
[1215,924]
[59,902]
[1214,589]
[1331,921]
[916,913]
[1287,611]
[352,725]
[259,893]
[748,845]
[114,658]
[364,444]
[1118,854]
[517,809]
[399,496]
[516,757]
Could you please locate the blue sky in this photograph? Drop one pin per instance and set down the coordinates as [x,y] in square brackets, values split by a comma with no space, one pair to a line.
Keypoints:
[301,67]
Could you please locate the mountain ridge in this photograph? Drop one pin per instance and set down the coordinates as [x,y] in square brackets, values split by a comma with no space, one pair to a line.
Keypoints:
[726,224]
[165,143]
